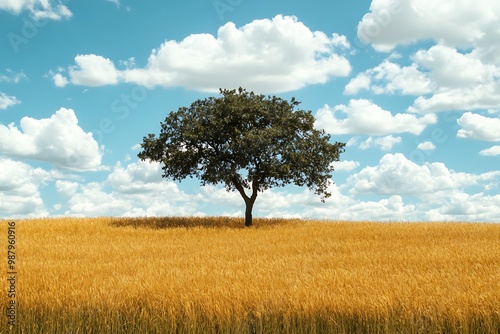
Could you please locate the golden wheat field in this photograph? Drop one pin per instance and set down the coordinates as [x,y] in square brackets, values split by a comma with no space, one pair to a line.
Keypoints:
[210,275]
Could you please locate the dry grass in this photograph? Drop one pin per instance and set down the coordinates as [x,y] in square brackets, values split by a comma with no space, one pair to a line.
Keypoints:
[202,275]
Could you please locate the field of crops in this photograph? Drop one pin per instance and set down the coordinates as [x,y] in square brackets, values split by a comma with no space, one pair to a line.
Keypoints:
[211,275]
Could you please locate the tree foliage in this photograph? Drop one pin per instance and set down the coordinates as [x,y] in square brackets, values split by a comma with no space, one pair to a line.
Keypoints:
[244,141]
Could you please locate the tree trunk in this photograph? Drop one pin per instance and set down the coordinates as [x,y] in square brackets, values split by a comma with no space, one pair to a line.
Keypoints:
[248,218]
[249,201]
[248,212]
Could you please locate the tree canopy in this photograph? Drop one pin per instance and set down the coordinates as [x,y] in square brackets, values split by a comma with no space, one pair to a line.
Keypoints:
[246,142]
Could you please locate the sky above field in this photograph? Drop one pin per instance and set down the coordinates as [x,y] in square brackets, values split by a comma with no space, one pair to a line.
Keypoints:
[412,87]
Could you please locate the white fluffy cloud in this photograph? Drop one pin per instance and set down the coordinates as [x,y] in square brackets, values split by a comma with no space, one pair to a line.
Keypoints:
[361,82]
[58,140]
[66,188]
[385,143]
[92,200]
[7,101]
[365,117]
[39,9]
[305,204]
[450,68]
[19,193]
[388,209]
[396,175]
[275,55]
[468,24]
[456,80]
[389,78]
[90,70]
[476,98]
[337,207]
[136,190]
[462,81]
[492,151]
[475,126]
[460,206]
[138,177]
[60,80]
[346,166]
[426,146]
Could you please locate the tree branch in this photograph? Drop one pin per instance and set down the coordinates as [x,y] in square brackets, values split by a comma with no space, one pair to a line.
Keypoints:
[239,187]
[255,189]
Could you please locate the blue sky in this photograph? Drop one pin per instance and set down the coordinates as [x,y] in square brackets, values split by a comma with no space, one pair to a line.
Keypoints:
[412,87]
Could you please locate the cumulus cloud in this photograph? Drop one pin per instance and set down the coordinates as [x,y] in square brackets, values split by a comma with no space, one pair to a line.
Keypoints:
[217,196]
[469,24]
[460,206]
[460,72]
[39,9]
[66,188]
[92,200]
[475,126]
[454,80]
[492,151]
[396,175]
[365,117]
[390,78]
[450,68]
[58,140]
[91,70]
[426,146]
[7,101]
[304,204]
[60,80]
[137,177]
[392,208]
[136,190]
[275,55]
[19,189]
[462,81]
[385,143]
[361,82]
[347,165]
[352,141]
[477,98]
[338,207]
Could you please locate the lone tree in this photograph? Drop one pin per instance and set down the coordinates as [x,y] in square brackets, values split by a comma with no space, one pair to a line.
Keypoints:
[245,141]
